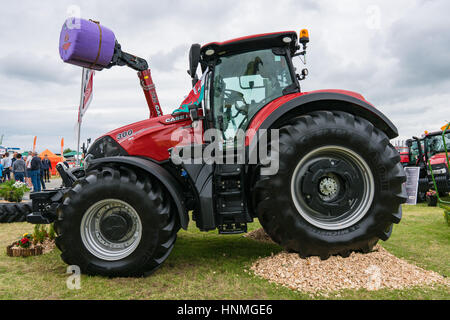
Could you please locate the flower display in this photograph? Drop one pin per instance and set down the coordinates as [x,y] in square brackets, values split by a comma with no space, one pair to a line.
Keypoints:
[25,241]
[13,190]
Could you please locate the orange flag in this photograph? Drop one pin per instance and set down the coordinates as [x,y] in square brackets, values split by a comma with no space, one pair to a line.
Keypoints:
[62,149]
[34,144]
[445,126]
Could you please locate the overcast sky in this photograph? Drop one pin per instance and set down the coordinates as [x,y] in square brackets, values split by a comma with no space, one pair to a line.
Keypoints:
[395,53]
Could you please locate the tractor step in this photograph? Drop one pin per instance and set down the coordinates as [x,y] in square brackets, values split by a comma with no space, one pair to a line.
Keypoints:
[230,201]
[233,228]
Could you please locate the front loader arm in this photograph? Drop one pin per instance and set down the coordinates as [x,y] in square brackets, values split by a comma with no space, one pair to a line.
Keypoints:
[121,58]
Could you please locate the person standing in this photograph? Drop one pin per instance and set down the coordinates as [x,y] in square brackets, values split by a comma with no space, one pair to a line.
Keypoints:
[35,172]
[41,175]
[7,166]
[1,171]
[47,166]
[14,158]
[19,168]
[27,171]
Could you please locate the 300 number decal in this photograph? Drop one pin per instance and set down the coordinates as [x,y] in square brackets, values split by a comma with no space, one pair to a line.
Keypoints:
[124,134]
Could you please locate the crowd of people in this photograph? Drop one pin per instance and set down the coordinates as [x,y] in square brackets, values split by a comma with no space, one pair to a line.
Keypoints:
[30,169]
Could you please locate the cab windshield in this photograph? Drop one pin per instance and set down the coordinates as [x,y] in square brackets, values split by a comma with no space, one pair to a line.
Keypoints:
[242,84]
[415,151]
[435,144]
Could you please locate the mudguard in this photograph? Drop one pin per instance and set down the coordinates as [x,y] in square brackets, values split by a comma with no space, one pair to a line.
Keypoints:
[159,173]
[300,103]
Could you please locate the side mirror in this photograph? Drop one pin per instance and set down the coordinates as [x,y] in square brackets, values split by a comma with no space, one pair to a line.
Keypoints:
[194,59]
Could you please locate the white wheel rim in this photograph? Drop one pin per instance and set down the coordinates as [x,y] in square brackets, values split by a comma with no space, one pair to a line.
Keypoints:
[96,243]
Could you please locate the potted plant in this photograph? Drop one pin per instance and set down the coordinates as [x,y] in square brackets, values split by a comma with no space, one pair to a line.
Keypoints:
[24,247]
[431,198]
[13,191]
[41,241]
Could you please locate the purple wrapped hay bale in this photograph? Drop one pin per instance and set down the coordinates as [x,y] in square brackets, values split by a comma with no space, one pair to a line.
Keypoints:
[86,43]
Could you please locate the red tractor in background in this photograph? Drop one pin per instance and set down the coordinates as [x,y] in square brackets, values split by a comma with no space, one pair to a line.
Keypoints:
[434,152]
[412,155]
[404,152]
[338,188]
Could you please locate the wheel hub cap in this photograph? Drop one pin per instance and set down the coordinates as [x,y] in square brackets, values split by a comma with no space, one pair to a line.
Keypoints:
[114,227]
[328,187]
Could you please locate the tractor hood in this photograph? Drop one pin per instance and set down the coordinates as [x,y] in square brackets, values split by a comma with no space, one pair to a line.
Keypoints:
[438,159]
[151,138]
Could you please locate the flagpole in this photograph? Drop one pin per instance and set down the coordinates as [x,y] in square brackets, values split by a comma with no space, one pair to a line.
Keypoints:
[79,116]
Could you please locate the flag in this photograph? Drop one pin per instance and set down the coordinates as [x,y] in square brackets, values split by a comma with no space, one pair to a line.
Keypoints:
[86,91]
[445,126]
[195,97]
[62,149]
[34,144]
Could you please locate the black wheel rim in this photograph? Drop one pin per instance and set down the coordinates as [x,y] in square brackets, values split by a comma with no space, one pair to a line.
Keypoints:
[332,187]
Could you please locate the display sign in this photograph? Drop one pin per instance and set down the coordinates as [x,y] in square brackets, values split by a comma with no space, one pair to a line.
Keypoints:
[412,184]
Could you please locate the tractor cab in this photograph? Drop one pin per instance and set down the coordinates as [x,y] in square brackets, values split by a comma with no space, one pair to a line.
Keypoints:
[414,154]
[435,144]
[243,75]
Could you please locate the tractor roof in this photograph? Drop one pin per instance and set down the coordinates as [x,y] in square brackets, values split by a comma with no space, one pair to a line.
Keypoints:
[253,42]
[435,133]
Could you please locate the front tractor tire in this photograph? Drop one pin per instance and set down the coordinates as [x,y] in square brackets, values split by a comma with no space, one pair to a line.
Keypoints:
[339,187]
[116,221]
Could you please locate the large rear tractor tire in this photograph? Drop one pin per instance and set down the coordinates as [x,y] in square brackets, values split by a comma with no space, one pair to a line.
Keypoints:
[339,187]
[116,221]
[14,212]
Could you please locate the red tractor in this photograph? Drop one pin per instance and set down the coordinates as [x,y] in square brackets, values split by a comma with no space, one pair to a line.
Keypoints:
[338,187]
[419,152]
[413,155]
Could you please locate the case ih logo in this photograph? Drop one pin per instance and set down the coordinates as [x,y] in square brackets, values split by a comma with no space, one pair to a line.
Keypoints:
[177,118]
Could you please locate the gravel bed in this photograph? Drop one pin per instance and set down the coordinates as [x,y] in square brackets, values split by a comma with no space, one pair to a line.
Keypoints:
[372,271]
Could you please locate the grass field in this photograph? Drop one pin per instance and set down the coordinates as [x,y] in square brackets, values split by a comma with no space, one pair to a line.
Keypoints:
[212,266]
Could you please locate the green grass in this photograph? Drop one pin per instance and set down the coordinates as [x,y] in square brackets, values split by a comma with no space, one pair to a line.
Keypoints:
[212,266]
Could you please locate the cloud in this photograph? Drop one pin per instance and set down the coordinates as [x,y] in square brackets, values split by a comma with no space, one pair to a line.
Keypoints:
[35,69]
[166,61]
[420,42]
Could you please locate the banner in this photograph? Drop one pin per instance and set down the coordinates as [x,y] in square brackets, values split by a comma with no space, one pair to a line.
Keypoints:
[87,82]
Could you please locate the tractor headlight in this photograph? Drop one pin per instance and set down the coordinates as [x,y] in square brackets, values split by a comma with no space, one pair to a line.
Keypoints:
[438,171]
[105,147]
